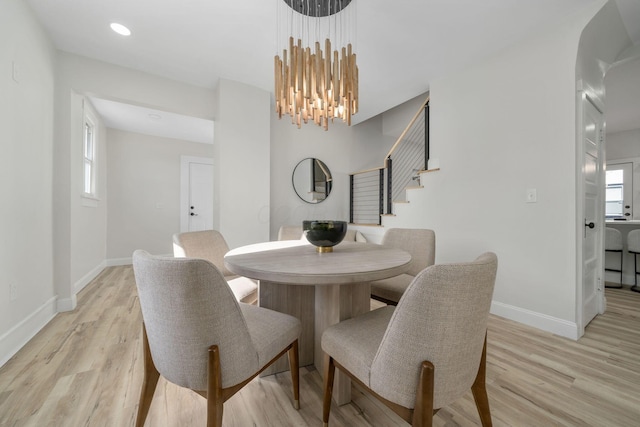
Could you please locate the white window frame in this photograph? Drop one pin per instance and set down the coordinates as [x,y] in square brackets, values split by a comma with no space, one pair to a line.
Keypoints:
[627,186]
[90,198]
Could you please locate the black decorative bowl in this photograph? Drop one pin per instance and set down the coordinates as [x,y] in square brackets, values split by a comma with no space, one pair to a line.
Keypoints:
[324,234]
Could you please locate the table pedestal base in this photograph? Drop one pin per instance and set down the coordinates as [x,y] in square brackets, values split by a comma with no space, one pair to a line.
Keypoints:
[331,304]
[299,302]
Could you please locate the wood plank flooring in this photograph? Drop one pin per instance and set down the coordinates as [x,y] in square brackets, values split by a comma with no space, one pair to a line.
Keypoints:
[84,369]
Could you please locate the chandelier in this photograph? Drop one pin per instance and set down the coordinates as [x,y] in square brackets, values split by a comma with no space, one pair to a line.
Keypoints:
[316,78]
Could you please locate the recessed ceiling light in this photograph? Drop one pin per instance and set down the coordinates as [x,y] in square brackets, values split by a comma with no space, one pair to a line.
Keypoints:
[120,29]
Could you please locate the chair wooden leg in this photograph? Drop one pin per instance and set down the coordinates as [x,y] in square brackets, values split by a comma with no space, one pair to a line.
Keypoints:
[215,399]
[294,367]
[329,372]
[423,411]
[149,381]
[479,390]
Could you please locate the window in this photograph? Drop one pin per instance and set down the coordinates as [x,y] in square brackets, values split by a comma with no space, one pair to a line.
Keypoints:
[614,194]
[618,193]
[89,159]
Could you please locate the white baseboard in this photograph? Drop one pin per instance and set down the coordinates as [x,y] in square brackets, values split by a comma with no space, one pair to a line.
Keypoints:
[128,261]
[67,304]
[87,278]
[561,327]
[118,261]
[12,341]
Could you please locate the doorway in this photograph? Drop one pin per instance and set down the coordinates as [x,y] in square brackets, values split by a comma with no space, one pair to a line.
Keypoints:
[196,193]
[591,291]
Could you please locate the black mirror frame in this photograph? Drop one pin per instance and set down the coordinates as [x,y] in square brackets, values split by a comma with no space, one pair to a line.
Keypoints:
[328,181]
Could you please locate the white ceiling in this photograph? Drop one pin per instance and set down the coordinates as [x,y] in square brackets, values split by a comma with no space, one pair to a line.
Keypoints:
[401,46]
[149,121]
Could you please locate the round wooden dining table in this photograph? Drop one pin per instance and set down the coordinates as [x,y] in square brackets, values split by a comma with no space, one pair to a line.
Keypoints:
[320,289]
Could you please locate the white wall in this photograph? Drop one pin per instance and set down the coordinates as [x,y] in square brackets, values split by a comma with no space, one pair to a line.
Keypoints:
[77,76]
[395,120]
[26,147]
[241,149]
[89,216]
[342,148]
[623,145]
[43,121]
[498,128]
[144,191]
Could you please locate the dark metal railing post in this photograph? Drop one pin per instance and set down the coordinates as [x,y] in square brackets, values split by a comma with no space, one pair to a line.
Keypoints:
[381,193]
[389,186]
[351,199]
[426,136]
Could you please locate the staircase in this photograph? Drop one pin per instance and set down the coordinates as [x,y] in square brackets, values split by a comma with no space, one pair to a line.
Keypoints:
[375,193]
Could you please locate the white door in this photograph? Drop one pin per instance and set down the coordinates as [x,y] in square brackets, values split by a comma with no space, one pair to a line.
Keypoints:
[196,210]
[593,230]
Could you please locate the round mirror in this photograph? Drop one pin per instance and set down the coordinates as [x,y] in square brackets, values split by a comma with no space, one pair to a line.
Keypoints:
[312,180]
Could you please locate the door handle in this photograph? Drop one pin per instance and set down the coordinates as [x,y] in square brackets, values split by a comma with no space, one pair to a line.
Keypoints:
[590,225]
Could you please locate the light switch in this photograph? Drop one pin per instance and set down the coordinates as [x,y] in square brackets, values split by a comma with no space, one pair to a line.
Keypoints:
[532,195]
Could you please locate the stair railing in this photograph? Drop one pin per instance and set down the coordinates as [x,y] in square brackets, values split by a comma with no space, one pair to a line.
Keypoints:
[367,196]
[374,189]
[408,156]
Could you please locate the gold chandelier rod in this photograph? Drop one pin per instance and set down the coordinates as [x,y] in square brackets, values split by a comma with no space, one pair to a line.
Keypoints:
[316,86]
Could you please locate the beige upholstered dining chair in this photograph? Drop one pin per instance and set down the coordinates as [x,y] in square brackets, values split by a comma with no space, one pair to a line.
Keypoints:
[421,244]
[211,245]
[198,336]
[425,353]
[290,232]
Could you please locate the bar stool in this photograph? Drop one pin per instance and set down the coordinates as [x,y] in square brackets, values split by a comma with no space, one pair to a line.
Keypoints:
[633,243]
[613,243]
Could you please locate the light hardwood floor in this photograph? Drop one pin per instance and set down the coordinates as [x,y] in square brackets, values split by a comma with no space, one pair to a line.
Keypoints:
[84,369]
